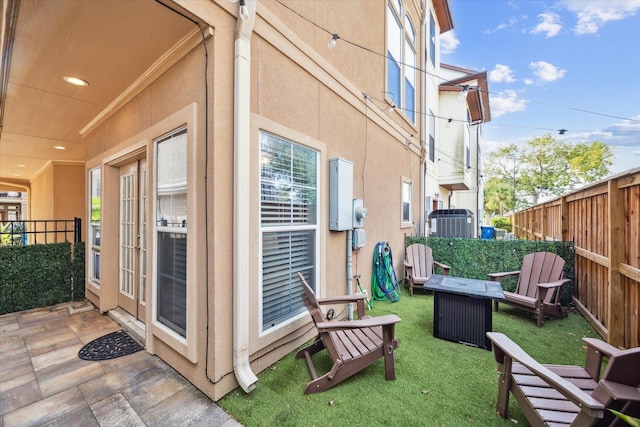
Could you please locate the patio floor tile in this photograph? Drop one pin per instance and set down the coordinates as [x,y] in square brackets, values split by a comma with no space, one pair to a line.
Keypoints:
[44,382]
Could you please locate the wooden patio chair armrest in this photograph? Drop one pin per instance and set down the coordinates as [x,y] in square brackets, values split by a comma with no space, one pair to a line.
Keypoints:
[341,299]
[445,268]
[618,391]
[407,264]
[388,319]
[563,386]
[543,288]
[497,276]
[601,346]
[555,284]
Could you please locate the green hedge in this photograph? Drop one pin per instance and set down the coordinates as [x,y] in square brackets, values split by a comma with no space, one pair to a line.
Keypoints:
[502,223]
[40,275]
[475,258]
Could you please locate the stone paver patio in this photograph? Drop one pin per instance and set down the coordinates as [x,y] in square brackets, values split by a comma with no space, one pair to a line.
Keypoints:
[43,382]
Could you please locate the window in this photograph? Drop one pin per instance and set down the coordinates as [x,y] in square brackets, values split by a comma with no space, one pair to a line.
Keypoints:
[432,39]
[401,60]
[406,202]
[94,225]
[432,136]
[288,226]
[410,72]
[467,137]
[171,229]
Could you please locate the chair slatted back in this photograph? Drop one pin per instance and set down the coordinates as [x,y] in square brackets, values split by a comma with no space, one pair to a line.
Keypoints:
[421,258]
[311,302]
[539,267]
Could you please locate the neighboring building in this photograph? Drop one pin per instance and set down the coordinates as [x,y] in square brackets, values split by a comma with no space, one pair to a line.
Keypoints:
[455,174]
[13,206]
[207,173]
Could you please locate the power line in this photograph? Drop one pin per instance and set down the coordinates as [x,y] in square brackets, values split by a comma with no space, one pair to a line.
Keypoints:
[336,37]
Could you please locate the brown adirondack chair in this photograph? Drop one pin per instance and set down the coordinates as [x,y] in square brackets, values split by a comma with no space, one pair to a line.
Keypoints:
[419,266]
[352,345]
[561,395]
[539,285]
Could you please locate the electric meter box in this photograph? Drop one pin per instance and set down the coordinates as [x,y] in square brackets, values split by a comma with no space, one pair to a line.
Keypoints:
[340,194]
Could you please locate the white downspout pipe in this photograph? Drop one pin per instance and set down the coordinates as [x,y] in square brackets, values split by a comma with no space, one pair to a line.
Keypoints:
[241,191]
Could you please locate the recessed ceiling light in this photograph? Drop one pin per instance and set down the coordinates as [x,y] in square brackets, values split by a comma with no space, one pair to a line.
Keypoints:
[75,81]
[59,147]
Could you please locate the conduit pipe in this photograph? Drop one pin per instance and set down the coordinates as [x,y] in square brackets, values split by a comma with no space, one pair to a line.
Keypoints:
[241,186]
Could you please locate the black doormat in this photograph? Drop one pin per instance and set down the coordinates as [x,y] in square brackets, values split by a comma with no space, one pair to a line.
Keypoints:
[110,346]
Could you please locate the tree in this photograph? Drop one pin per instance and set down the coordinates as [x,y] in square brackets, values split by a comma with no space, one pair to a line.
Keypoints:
[498,196]
[544,167]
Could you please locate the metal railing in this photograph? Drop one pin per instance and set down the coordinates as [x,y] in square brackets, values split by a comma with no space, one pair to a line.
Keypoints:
[40,231]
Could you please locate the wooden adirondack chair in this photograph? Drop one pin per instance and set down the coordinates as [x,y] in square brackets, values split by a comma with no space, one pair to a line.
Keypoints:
[352,345]
[419,266]
[559,395]
[539,285]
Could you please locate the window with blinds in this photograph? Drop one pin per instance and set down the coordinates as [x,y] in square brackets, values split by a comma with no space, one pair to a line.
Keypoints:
[171,231]
[288,224]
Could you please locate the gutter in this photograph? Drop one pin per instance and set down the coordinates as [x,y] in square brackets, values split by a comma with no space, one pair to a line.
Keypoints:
[241,174]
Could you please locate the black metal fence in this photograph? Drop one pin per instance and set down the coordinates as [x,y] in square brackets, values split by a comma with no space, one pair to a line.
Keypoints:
[31,232]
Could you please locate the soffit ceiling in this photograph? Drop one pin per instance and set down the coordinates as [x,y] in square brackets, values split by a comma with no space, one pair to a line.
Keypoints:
[108,43]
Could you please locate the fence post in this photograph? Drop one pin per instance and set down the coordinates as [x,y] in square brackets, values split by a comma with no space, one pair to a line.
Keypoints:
[77,229]
[565,234]
[615,317]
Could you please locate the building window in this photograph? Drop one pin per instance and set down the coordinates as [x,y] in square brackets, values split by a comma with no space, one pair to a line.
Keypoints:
[432,136]
[432,39]
[171,231]
[410,71]
[288,226]
[401,60]
[406,202]
[95,215]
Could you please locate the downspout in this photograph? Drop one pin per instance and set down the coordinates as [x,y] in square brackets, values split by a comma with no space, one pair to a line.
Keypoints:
[241,186]
[423,126]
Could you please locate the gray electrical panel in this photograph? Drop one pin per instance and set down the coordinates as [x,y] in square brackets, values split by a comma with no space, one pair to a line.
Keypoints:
[340,194]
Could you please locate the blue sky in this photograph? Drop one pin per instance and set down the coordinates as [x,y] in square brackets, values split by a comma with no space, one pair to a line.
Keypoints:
[546,60]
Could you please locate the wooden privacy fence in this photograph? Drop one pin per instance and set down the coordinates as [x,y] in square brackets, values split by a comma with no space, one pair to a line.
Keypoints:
[603,221]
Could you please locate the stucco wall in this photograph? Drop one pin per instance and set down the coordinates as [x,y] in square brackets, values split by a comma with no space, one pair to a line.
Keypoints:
[41,197]
[69,191]
[301,91]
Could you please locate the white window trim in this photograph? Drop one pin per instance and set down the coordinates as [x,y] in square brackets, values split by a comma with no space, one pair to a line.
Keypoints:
[284,327]
[407,36]
[260,339]
[185,346]
[95,283]
[406,224]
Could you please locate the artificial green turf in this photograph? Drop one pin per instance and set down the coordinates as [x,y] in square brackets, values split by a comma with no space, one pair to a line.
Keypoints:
[438,382]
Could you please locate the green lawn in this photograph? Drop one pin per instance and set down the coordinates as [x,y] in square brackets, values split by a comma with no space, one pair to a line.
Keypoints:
[438,383]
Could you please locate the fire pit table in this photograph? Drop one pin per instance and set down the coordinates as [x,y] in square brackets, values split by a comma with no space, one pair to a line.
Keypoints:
[462,308]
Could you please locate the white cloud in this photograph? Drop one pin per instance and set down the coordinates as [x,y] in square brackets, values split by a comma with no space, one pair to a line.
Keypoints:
[621,134]
[592,15]
[550,25]
[504,25]
[546,72]
[501,74]
[448,42]
[528,82]
[506,102]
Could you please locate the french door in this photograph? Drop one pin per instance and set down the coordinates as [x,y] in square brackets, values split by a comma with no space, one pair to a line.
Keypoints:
[132,289]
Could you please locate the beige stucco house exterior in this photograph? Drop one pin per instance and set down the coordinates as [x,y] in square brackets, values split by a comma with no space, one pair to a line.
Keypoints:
[204,181]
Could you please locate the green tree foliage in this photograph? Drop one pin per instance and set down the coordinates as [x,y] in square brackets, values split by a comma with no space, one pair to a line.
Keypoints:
[498,196]
[544,166]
